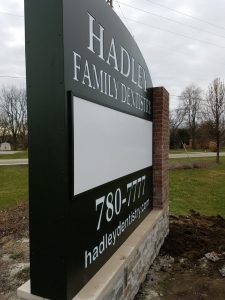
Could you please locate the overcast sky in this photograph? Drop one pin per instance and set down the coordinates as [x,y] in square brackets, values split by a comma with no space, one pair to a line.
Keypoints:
[183,41]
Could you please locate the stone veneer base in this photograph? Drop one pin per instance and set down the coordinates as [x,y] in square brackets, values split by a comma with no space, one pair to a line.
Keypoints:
[121,276]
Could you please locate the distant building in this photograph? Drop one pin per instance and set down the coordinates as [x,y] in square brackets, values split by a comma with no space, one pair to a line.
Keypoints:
[5,147]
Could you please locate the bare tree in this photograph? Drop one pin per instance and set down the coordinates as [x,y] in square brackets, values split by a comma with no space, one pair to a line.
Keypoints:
[215,110]
[190,104]
[3,127]
[176,118]
[13,107]
[23,126]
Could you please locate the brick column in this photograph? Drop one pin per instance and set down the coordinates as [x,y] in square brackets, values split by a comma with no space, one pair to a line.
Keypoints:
[160,106]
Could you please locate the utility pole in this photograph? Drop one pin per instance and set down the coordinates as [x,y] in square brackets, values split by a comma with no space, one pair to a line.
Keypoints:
[110,2]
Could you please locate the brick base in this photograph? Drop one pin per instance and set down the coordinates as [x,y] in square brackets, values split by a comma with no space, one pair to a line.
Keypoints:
[160,107]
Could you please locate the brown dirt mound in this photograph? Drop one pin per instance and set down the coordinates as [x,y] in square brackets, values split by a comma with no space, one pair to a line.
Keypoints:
[14,220]
[193,236]
[189,274]
[14,250]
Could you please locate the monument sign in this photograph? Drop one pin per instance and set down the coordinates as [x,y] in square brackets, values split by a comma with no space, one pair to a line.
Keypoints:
[90,140]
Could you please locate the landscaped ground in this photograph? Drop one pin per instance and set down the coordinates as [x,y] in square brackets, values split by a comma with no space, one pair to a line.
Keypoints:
[19,154]
[201,189]
[14,250]
[13,185]
[181,272]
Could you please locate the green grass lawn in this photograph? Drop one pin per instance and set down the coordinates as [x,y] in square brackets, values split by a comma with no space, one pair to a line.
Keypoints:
[19,154]
[187,159]
[200,189]
[13,185]
[182,151]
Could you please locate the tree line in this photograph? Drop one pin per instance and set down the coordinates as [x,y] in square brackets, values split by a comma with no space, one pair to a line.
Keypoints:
[197,122]
[199,119]
[13,117]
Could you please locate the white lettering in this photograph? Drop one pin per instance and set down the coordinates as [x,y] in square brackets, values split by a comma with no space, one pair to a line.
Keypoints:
[102,246]
[88,259]
[133,67]
[76,65]
[141,104]
[128,96]
[110,239]
[140,78]
[105,74]
[98,80]
[124,52]
[87,74]
[145,81]
[95,253]
[113,55]
[124,93]
[110,95]
[92,35]
[114,237]
[116,88]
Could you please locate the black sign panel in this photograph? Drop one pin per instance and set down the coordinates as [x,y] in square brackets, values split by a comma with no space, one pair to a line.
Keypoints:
[108,215]
[79,48]
[102,61]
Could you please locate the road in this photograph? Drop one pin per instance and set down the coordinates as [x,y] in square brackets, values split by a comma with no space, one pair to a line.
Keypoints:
[16,162]
[13,162]
[8,152]
[195,154]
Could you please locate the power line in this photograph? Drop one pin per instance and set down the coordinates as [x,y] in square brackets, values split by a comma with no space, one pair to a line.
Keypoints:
[179,98]
[158,4]
[10,14]
[187,15]
[11,76]
[171,20]
[124,17]
[175,33]
[166,49]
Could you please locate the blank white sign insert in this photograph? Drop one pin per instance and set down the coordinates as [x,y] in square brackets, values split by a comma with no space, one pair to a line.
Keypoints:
[107,144]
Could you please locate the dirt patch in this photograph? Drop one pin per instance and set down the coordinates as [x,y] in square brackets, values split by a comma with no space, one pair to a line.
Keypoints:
[193,236]
[14,221]
[195,250]
[182,271]
[14,250]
